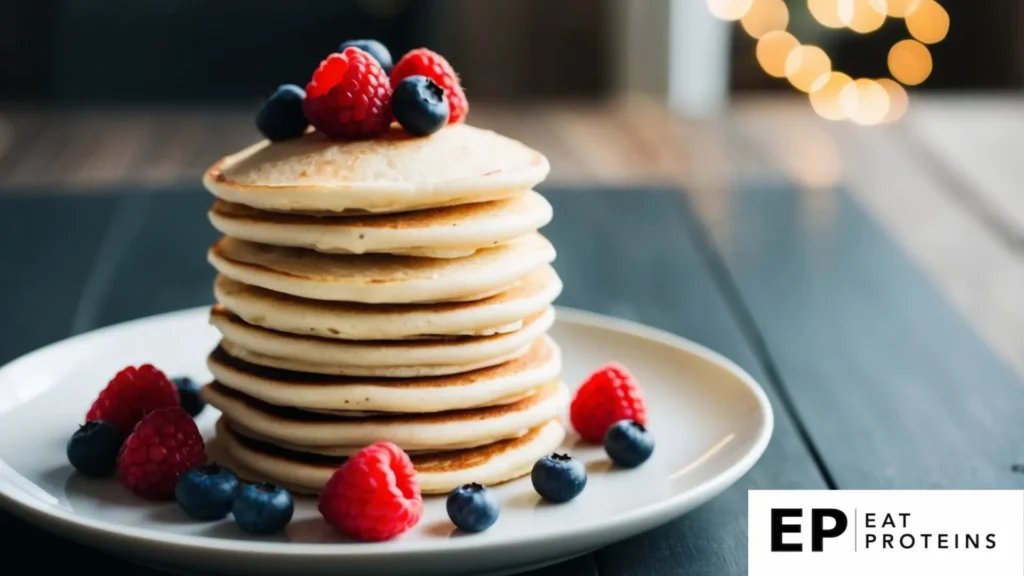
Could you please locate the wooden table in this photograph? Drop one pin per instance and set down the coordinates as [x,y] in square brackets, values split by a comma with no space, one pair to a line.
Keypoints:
[869,278]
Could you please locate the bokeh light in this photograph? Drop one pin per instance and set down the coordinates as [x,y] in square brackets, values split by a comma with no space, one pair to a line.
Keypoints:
[805,65]
[825,93]
[928,22]
[832,94]
[865,102]
[900,8]
[729,9]
[899,101]
[772,51]
[826,12]
[765,16]
[910,62]
[862,16]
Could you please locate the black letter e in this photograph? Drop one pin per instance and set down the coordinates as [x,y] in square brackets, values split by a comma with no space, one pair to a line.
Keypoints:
[779,528]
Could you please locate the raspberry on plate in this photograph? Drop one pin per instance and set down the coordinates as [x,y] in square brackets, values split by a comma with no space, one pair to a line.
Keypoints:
[374,496]
[165,445]
[131,394]
[426,62]
[349,96]
[608,395]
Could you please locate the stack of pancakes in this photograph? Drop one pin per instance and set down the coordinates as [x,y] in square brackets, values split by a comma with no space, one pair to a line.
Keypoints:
[394,289]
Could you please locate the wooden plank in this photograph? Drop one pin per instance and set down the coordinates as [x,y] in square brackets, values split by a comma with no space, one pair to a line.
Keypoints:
[50,251]
[162,265]
[974,144]
[894,387]
[976,270]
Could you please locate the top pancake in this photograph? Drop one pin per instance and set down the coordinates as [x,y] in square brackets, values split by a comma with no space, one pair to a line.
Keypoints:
[396,172]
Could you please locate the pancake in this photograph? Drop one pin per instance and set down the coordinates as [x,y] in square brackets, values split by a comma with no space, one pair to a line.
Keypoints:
[352,321]
[454,351]
[395,172]
[380,278]
[451,232]
[484,387]
[438,431]
[378,372]
[437,473]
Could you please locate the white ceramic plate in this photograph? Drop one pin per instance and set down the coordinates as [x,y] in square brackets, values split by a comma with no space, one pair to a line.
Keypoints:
[710,420]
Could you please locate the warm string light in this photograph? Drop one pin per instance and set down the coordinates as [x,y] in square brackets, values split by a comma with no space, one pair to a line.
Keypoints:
[832,94]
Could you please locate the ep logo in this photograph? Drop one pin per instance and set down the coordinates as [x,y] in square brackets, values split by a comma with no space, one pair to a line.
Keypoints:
[823,523]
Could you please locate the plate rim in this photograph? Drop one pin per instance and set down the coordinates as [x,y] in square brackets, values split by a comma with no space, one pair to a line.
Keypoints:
[21,503]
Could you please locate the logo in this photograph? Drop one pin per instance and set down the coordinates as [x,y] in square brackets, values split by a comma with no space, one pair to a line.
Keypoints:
[881,532]
[818,530]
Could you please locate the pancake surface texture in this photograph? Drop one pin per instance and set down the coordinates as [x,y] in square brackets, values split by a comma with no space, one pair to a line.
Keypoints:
[459,164]
[380,279]
[497,314]
[451,232]
[437,473]
[542,363]
[438,431]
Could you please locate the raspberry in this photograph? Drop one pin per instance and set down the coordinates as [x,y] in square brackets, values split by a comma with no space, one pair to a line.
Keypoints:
[608,395]
[164,446]
[425,62]
[349,96]
[374,496]
[133,393]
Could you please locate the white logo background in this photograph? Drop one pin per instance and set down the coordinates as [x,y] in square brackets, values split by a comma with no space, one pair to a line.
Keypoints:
[954,513]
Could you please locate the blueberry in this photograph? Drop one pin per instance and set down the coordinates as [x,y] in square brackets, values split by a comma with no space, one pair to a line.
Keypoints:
[559,477]
[188,394]
[93,448]
[281,117]
[472,508]
[262,508]
[373,48]
[628,443]
[207,492]
[420,105]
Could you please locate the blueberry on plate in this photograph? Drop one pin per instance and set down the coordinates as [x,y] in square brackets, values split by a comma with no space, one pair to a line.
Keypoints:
[281,117]
[628,443]
[559,477]
[207,492]
[419,105]
[373,48]
[93,448]
[262,508]
[472,508]
[188,394]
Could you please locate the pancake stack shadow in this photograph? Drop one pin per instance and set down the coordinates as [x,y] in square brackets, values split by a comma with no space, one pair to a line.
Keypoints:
[396,289]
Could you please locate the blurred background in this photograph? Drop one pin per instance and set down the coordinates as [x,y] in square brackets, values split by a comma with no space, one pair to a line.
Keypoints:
[89,52]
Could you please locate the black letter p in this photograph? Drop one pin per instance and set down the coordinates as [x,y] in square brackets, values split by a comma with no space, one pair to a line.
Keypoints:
[818,532]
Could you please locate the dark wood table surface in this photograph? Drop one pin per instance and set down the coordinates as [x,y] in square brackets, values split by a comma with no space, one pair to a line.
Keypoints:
[869,279]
